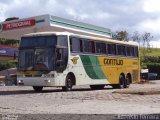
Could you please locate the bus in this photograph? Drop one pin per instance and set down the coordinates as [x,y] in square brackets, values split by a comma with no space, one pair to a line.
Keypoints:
[63,59]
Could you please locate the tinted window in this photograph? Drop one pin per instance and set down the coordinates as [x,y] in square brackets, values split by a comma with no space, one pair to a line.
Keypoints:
[136,51]
[38,41]
[100,48]
[75,44]
[62,40]
[130,51]
[121,50]
[111,48]
[89,46]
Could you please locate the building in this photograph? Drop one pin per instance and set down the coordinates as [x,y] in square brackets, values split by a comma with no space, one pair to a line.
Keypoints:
[16,28]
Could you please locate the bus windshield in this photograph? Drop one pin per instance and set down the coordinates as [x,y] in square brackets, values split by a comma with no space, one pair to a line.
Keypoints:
[37,53]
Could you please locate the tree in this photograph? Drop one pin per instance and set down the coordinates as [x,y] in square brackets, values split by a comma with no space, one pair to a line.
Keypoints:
[121,35]
[9,42]
[146,37]
[11,18]
[136,37]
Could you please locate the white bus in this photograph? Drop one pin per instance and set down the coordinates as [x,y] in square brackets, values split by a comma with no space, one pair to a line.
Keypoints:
[63,59]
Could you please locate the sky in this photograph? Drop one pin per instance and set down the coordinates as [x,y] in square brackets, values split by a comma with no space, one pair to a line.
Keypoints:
[130,15]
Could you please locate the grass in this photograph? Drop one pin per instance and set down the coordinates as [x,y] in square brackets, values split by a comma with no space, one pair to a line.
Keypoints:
[154,52]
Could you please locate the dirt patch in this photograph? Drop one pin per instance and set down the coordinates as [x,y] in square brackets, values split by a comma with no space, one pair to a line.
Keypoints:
[145,91]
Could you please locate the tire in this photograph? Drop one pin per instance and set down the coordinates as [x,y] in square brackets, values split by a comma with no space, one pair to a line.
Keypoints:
[127,81]
[121,84]
[68,83]
[37,88]
[97,87]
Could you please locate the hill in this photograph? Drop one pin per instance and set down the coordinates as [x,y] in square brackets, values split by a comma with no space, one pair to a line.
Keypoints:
[154,52]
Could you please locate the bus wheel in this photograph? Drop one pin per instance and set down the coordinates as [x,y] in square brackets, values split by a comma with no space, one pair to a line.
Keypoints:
[97,87]
[127,81]
[38,88]
[121,83]
[68,83]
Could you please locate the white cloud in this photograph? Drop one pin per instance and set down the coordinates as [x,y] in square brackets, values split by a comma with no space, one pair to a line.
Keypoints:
[3,9]
[150,25]
[151,6]
[130,15]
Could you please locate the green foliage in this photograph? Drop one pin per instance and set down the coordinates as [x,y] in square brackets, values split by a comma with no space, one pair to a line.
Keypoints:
[11,18]
[121,35]
[151,59]
[9,42]
[7,64]
[153,52]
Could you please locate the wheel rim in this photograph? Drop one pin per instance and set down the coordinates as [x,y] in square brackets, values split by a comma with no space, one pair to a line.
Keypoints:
[122,82]
[69,83]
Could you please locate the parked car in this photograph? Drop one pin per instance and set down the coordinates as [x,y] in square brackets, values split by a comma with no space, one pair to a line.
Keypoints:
[2,83]
[149,76]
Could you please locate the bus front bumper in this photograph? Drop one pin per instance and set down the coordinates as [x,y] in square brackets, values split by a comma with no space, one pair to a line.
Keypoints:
[23,81]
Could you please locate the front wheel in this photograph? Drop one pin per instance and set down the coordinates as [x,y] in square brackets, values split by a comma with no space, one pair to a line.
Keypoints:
[38,88]
[68,83]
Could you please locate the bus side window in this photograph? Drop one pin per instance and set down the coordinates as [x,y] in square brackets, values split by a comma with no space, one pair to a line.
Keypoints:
[75,44]
[70,40]
[130,51]
[121,50]
[111,49]
[89,46]
[100,48]
[81,45]
[59,57]
[136,51]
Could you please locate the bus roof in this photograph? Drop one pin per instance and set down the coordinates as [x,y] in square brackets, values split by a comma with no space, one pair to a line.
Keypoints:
[82,36]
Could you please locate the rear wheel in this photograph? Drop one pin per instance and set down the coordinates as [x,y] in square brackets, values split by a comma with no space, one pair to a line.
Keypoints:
[121,83]
[97,87]
[68,83]
[127,81]
[38,88]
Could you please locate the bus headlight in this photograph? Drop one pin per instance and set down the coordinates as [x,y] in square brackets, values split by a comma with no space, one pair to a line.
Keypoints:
[20,82]
[48,81]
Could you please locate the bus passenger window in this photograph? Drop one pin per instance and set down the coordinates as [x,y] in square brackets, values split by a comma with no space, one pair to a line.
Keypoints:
[130,51]
[121,50]
[89,46]
[100,48]
[71,44]
[81,46]
[111,49]
[75,44]
[136,51]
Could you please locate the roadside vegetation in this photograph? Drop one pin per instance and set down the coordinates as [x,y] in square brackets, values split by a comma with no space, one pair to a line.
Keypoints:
[149,57]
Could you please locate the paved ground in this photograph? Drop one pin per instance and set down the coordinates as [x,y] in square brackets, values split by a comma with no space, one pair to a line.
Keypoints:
[82,100]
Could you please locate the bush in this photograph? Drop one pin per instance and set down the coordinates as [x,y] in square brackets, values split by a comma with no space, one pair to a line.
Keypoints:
[150,59]
[6,65]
